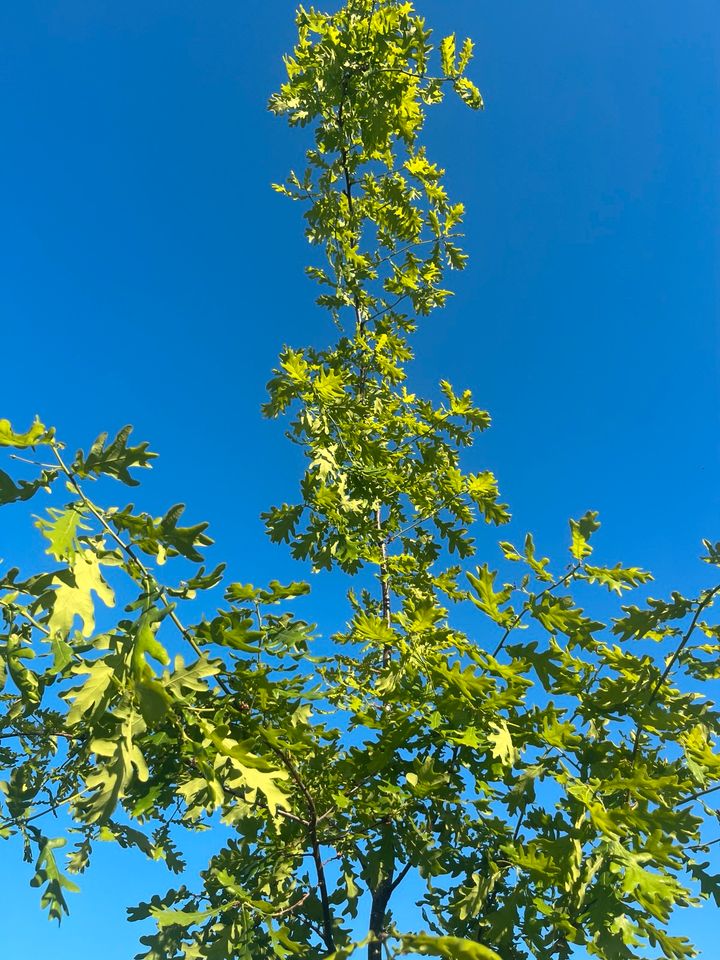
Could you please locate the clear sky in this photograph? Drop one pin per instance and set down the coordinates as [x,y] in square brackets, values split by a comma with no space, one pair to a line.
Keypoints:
[149,275]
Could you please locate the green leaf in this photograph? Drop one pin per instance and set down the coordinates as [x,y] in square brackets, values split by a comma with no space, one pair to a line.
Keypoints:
[282,521]
[369,627]
[466,54]
[329,386]
[489,600]
[183,918]
[10,492]
[275,592]
[253,774]
[61,530]
[449,948]
[617,578]
[501,743]
[469,93]
[119,763]
[115,459]
[89,697]
[581,531]
[73,597]
[651,622]
[38,433]
[62,654]
[146,643]
[162,536]
[48,874]
[709,882]
[447,55]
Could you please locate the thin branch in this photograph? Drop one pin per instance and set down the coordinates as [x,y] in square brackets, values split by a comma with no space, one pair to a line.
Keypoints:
[387,309]
[348,193]
[705,602]
[34,463]
[50,808]
[699,793]
[640,728]
[411,246]
[412,73]
[431,429]
[28,616]
[400,877]
[38,734]
[132,555]
[548,590]
[423,518]
[293,906]
[704,846]
[291,816]
[311,826]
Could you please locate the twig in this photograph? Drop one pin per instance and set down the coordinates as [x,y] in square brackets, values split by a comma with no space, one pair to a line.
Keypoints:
[704,846]
[50,808]
[387,309]
[548,590]
[291,816]
[42,735]
[34,463]
[293,906]
[411,246]
[699,793]
[28,616]
[640,728]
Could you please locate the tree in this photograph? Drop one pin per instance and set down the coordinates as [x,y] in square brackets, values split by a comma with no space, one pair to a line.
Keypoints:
[545,778]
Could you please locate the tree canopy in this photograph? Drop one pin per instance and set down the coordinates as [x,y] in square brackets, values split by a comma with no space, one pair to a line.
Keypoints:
[540,781]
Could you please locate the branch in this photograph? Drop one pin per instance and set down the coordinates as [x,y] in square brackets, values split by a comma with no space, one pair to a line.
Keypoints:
[311,823]
[387,309]
[34,463]
[132,555]
[640,728]
[311,826]
[700,793]
[411,246]
[50,808]
[42,735]
[293,906]
[553,586]
[400,877]
[291,816]
[704,846]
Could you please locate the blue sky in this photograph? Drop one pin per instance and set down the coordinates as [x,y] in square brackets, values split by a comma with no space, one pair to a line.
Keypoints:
[149,275]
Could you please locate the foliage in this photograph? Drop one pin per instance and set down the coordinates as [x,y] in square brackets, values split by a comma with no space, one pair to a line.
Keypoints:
[545,777]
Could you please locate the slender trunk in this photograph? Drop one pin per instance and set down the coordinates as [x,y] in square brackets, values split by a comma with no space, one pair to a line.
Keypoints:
[381,896]
[378,910]
[384,585]
[377,918]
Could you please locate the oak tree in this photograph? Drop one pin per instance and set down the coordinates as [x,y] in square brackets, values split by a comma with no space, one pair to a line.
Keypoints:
[538,783]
